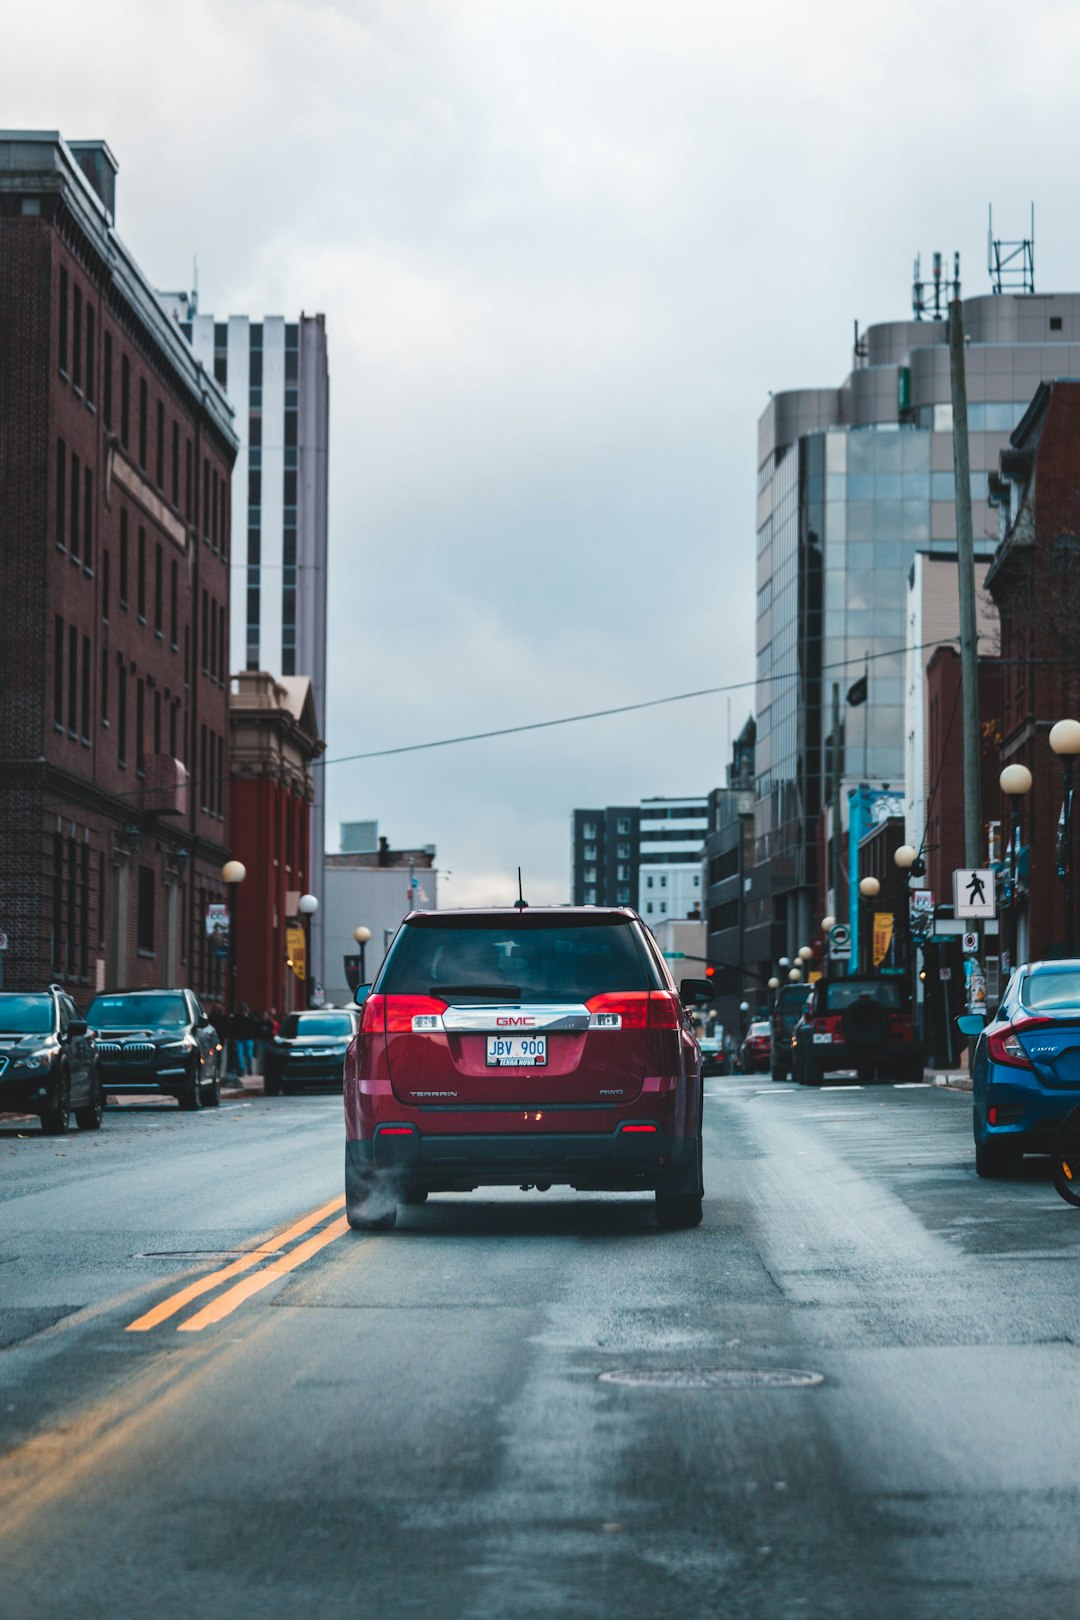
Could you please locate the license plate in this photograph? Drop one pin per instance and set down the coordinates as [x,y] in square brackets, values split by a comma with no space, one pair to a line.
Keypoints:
[822,1039]
[516,1051]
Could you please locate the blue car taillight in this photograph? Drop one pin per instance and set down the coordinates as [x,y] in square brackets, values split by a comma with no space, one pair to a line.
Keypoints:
[1004,1045]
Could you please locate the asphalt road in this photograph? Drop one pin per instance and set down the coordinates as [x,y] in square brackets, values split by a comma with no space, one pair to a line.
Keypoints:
[418,1423]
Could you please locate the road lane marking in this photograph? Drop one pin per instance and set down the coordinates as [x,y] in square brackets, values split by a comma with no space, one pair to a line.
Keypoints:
[176,1302]
[226,1303]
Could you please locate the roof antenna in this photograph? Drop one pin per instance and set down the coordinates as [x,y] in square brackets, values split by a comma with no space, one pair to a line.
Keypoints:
[520,904]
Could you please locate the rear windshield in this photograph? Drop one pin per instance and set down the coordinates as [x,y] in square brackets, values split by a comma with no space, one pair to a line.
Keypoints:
[841,993]
[1052,987]
[25,1015]
[760,1029]
[309,1024]
[137,1012]
[791,997]
[498,959]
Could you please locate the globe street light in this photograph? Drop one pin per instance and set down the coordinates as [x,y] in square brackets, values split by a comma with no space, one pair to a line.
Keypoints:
[1065,741]
[774,984]
[361,936]
[869,889]
[784,962]
[1015,782]
[828,924]
[307,906]
[795,975]
[233,874]
[806,953]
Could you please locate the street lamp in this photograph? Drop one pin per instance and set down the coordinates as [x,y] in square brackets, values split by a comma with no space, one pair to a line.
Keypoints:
[1065,741]
[361,936]
[233,874]
[774,984]
[784,962]
[1015,782]
[869,889]
[795,975]
[828,924]
[307,905]
[907,863]
[806,953]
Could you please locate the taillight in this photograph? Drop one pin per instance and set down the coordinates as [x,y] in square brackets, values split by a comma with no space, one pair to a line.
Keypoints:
[1004,1044]
[639,1130]
[372,1015]
[418,1015]
[635,1009]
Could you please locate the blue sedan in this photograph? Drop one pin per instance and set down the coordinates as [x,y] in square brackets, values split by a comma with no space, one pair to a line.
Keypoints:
[1025,1075]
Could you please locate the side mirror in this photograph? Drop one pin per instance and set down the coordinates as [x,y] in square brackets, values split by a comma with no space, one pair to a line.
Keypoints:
[77,1026]
[361,993]
[970,1023]
[692,992]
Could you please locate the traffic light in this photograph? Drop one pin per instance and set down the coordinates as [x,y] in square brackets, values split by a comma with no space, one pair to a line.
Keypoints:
[710,972]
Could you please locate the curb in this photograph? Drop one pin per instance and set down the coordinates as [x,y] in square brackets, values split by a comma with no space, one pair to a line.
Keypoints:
[950,1080]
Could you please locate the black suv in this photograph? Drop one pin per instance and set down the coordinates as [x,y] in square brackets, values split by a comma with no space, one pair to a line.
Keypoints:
[309,1050]
[856,1023]
[157,1040]
[48,1065]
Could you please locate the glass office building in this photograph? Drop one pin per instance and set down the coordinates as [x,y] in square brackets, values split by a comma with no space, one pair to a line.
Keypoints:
[852,482]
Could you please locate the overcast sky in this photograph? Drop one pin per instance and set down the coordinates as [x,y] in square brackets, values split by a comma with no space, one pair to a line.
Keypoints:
[564,250]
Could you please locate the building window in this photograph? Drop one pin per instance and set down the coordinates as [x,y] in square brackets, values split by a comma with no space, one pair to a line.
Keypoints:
[140,724]
[206,499]
[144,413]
[89,353]
[140,578]
[188,478]
[623,852]
[84,911]
[213,641]
[58,673]
[174,707]
[223,673]
[221,776]
[121,714]
[63,322]
[75,481]
[104,686]
[648,882]
[176,466]
[588,829]
[61,494]
[588,852]
[205,637]
[72,884]
[88,519]
[157,722]
[107,381]
[76,337]
[173,603]
[623,825]
[123,557]
[159,448]
[57,896]
[648,908]
[73,681]
[214,509]
[125,402]
[86,690]
[159,590]
[105,572]
[146,911]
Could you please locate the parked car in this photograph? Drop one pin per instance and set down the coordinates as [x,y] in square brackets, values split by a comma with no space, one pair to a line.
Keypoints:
[48,1065]
[1025,1071]
[787,1009]
[755,1053]
[861,1023]
[157,1040]
[309,1049]
[714,1058]
[530,1047]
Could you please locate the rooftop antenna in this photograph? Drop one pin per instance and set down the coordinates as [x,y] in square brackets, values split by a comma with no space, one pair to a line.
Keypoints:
[520,904]
[1011,264]
[933,304]
[194,285]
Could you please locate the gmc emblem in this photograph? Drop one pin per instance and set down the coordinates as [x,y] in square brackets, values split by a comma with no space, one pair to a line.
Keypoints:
[503,1022]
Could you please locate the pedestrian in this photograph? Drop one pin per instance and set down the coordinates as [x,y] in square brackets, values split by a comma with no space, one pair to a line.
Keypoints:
[242,1033]
[267,1031]
[219,1023]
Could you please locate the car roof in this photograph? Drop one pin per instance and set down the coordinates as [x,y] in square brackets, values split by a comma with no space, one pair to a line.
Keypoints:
[597,913]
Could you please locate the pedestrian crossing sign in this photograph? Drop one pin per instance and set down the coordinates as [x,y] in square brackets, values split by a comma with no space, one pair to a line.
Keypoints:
[973,892]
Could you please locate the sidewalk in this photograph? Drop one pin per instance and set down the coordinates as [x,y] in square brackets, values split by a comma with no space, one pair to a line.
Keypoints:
[954,1079]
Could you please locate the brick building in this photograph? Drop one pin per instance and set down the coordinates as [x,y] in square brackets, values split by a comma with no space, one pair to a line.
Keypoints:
[1035,583]
[274,738]
[115,456]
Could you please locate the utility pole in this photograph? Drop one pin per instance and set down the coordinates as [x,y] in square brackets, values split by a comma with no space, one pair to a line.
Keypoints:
[965,562]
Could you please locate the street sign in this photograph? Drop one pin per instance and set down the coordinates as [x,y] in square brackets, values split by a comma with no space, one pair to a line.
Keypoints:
[971,944]
[675,956]
[922,900]
[840,943]
[973,892]
[945,974]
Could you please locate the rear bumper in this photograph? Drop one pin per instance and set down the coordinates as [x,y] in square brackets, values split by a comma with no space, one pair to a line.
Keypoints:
[835,1055]
[614,1161]
[1030,1115]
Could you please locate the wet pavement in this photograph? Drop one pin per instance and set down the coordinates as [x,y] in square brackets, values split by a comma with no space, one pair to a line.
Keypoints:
[852,1391]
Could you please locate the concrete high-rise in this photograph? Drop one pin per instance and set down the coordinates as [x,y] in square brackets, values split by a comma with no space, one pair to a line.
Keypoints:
[852,482]
[276,375]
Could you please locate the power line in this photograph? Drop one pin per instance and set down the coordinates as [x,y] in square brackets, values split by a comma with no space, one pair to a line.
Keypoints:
[622,708]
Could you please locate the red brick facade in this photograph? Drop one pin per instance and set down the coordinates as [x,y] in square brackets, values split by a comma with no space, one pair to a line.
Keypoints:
[1035,583]
[115,456]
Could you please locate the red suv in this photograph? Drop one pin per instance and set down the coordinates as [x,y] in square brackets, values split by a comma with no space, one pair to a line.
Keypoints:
[523,1046]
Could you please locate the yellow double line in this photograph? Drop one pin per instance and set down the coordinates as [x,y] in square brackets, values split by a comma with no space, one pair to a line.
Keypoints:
[227,1302]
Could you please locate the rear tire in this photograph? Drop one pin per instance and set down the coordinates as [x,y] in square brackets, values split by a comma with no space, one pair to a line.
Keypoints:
[212,1093]
[271,1085]
[1065,1159]
[90,1117]
[993,1161]
[677,1212]
[779,1071]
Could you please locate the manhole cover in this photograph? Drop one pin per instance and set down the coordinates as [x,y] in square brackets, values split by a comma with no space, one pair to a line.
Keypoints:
[714,1378]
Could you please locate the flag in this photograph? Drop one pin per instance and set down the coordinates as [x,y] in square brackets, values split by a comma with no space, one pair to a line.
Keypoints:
[858,692]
